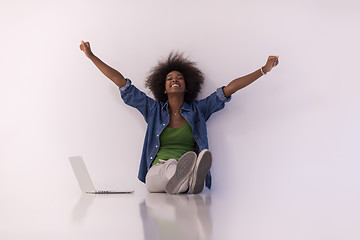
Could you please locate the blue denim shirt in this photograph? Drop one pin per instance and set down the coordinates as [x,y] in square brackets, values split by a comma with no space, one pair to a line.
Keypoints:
[156,115]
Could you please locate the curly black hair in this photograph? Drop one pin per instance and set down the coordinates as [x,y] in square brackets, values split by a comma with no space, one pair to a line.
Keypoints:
[193,77]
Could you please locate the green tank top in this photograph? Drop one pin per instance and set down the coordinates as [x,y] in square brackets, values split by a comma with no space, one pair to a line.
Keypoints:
[174,142]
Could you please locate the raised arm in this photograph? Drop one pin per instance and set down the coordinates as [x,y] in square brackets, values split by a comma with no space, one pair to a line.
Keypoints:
[108,71]
[242,82]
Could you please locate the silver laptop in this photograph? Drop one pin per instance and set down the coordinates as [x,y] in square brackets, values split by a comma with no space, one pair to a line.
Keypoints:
[84,180]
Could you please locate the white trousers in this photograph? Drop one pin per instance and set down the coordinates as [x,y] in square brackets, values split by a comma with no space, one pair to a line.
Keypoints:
[160,174]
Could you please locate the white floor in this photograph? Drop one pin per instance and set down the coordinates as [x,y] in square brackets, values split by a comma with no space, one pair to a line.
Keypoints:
[248,214]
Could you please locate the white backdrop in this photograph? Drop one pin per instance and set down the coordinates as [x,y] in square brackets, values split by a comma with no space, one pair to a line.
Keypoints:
[294,129]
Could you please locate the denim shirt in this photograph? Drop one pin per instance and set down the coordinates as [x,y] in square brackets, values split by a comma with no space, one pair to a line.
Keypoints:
[156,115]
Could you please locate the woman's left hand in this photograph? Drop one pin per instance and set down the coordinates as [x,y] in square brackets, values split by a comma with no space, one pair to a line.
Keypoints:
[272,62]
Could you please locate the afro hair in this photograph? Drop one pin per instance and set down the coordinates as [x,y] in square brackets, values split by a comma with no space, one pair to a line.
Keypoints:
[193,77]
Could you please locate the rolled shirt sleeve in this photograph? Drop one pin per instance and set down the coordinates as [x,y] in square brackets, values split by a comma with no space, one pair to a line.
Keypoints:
[127,85]
[221,95]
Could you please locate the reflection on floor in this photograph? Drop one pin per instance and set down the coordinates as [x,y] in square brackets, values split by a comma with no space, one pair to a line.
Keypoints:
[163,216]
[183,216]
[273,213]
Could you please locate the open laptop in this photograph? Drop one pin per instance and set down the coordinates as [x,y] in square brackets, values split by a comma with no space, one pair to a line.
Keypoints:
[84,180]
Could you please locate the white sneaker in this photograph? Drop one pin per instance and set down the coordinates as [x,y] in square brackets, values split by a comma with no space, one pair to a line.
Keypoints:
[184,169]
[202,167]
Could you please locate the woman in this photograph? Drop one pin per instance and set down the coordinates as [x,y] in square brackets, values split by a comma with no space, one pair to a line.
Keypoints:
[176,129]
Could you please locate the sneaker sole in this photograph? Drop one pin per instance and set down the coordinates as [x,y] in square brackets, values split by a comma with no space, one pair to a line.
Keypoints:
[184,168]
[201,170]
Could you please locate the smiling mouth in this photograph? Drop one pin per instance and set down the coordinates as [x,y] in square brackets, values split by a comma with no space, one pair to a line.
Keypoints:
[175,85]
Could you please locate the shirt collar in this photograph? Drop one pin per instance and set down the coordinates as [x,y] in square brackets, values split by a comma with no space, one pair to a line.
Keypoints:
[185,106]
[165,105]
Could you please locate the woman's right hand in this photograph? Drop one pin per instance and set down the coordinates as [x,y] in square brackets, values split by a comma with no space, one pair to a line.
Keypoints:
[85,47]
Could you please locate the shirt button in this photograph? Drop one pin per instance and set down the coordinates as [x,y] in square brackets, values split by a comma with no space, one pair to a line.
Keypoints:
[150,157]
[157,135]
[163,124]
[157,146]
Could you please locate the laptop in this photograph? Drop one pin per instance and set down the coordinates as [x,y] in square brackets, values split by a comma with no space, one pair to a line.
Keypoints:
[84,180]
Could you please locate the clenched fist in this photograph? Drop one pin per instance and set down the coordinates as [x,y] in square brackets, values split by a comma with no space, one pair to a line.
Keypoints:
[85,47]
[272,62]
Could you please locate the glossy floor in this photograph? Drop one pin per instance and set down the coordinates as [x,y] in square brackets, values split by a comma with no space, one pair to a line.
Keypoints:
[255,214]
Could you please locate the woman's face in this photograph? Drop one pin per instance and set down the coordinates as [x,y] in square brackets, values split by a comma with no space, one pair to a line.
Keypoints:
[175,83]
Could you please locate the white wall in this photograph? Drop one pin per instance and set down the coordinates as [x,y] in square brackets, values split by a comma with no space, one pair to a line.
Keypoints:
[296,128]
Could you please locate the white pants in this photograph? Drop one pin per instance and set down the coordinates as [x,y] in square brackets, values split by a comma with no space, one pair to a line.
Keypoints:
[160,174]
